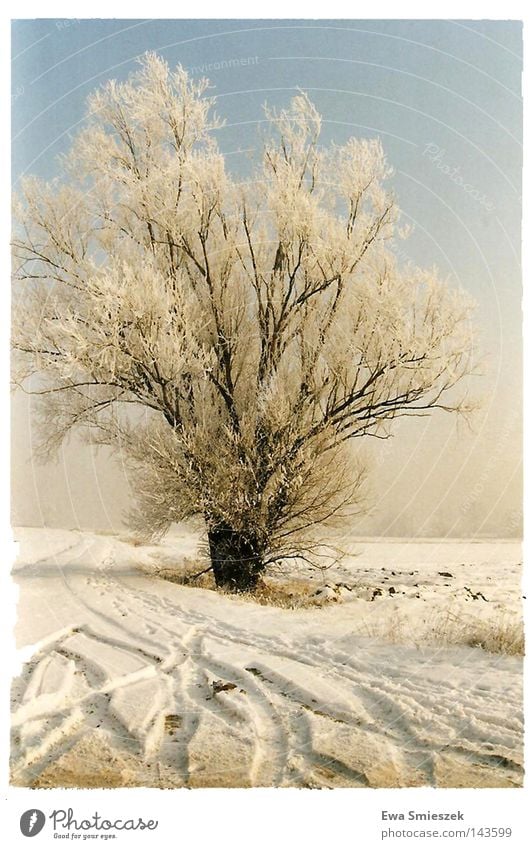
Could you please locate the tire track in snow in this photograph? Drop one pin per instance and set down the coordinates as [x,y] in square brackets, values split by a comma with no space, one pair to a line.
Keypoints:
[279,720]
[390,704]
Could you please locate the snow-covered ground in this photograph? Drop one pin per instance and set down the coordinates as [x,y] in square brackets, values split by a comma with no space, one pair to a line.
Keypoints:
[127,679]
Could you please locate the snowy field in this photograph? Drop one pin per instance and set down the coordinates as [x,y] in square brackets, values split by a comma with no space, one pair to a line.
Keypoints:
[128,679]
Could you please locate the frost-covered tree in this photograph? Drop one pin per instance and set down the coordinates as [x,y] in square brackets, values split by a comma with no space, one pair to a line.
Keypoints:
[231,338]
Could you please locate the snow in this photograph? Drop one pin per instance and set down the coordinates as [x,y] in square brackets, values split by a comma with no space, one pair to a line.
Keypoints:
[128,679]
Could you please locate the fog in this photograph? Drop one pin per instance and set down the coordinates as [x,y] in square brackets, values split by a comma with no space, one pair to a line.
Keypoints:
[436,477]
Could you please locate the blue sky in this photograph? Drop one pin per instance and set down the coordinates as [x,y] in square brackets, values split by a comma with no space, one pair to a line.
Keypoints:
[444,97]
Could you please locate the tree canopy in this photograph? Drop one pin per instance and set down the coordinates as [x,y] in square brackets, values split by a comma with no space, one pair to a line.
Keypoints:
[232,337]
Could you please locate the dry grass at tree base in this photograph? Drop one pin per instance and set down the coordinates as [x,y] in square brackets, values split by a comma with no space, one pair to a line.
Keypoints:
[280,591]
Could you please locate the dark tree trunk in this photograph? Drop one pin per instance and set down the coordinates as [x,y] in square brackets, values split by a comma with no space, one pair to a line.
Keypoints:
[236,559]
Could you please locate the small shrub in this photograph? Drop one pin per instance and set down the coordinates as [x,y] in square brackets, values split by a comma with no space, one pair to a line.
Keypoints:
[501,635]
